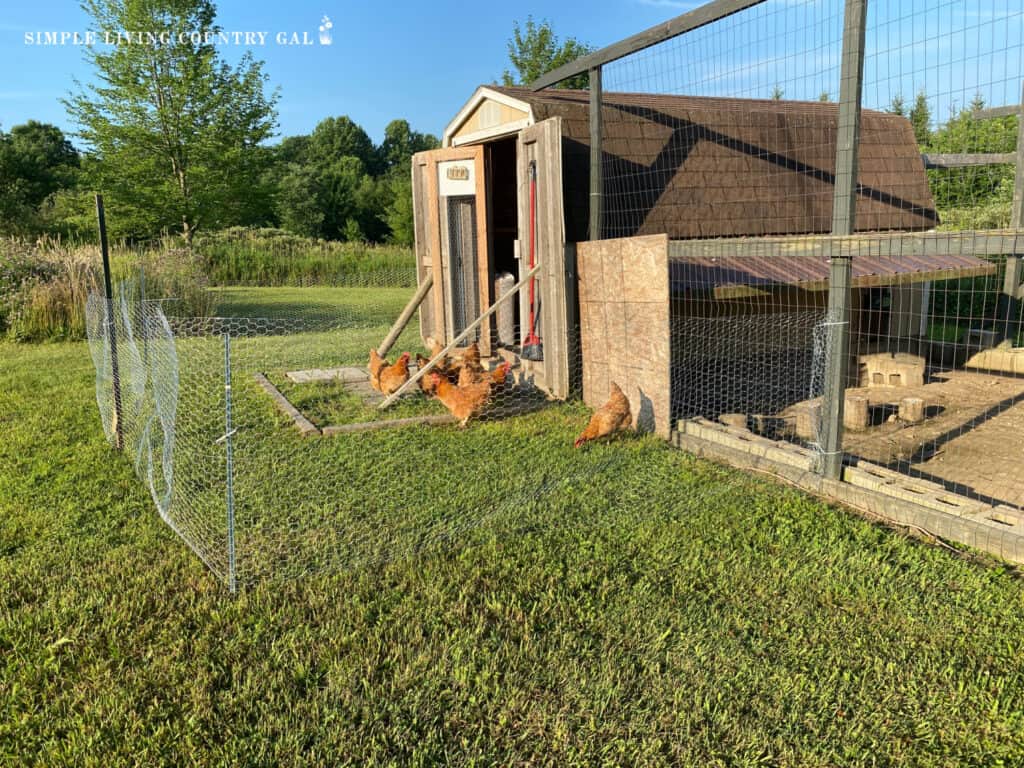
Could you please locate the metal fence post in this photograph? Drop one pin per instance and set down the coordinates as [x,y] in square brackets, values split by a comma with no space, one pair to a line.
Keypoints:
[115,370]
[143,318]
[229,431]
[844,206]
[596,168]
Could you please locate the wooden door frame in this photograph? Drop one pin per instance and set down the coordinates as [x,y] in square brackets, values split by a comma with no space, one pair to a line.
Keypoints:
[543,142]
[430,161]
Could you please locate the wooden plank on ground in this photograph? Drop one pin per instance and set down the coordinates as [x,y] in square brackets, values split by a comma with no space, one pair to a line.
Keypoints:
[987,533]
[367,426]
[304,425]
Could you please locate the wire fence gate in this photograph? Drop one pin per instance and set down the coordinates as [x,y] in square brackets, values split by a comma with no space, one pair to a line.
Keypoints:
[839,185]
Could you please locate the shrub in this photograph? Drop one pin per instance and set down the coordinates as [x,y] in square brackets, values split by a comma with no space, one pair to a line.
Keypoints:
[273,257]
[43,291]
[44,286]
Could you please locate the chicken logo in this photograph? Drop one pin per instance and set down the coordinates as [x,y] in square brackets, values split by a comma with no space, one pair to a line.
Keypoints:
[326,38]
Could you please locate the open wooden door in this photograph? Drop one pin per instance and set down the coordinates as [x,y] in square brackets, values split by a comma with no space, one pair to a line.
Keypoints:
[450,217]
[540,145]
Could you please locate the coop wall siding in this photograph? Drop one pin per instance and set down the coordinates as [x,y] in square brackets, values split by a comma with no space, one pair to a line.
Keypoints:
[624,325]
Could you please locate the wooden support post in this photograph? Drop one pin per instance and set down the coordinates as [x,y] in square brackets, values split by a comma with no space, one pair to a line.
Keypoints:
[406,316]
[458,339]
[1009,302]
[115,369]
[1017,214]
[596,168]
[844,206]
[1011,284]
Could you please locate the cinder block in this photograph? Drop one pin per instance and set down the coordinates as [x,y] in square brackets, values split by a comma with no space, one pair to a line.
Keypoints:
[855,412]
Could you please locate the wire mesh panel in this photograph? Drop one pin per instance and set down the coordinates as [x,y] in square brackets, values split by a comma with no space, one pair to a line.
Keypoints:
[935,390]
[263,439]
[462,238]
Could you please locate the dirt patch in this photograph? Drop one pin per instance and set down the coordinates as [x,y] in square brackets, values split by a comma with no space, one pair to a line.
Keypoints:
[971,440]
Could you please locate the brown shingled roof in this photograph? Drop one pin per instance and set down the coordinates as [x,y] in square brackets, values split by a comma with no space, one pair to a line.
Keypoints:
[712,167]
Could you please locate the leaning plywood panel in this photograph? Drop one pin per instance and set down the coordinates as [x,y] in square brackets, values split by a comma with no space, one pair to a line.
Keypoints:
[624,325]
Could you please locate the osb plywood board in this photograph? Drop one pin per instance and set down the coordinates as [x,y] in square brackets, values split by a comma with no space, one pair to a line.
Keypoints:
[624,325]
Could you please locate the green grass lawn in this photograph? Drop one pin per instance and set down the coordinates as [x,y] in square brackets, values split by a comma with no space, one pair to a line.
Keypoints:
[646,609]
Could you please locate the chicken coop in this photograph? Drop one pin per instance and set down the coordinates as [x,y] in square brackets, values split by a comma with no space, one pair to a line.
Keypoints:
[707,245]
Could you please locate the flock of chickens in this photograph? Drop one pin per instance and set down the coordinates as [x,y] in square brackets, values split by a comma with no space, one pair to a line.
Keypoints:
[465,387]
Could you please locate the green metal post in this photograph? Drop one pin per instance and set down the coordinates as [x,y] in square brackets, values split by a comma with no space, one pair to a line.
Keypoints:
[596,169]
[108,287]
[844,206]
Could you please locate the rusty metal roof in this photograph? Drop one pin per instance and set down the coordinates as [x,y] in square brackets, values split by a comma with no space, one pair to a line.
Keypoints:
[737,275]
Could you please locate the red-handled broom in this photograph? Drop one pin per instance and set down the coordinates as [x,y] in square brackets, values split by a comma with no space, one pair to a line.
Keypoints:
[532,348]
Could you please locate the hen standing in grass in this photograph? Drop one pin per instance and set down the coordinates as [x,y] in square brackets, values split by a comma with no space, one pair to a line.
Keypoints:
[611,417]
[464,402]
[394,376]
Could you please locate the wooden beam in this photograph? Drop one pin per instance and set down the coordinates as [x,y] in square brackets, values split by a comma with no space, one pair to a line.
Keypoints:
[993,242]
[406,316]
[304,425]
[1017,214]
[687,22]
[990,112]
[966,160]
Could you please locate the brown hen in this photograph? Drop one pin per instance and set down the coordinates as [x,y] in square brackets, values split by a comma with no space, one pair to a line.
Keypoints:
[462,402]
[394,376]
[611,417]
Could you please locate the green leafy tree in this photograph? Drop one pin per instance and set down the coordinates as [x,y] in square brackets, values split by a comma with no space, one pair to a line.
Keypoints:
[36,160]
[398,215]
[401,143]
[298,206]
[292,149]
[337,137]
[176,129]
[535,49]
[977,186]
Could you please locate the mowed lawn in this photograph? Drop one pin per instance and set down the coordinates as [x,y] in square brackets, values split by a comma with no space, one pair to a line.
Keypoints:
[663,611]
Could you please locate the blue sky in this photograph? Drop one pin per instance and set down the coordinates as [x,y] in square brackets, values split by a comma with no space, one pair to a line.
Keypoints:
[396,59]
[422,60]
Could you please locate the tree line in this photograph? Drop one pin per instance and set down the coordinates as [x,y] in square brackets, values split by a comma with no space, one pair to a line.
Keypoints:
[333,184]
[180,142]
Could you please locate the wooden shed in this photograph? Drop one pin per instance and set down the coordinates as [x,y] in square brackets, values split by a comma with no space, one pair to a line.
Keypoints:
[677,166]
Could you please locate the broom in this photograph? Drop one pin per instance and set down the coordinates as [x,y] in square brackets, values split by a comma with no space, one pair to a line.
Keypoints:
[532,348]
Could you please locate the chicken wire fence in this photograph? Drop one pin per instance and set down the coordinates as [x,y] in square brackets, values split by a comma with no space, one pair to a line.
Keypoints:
[778,143]
[264,447]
